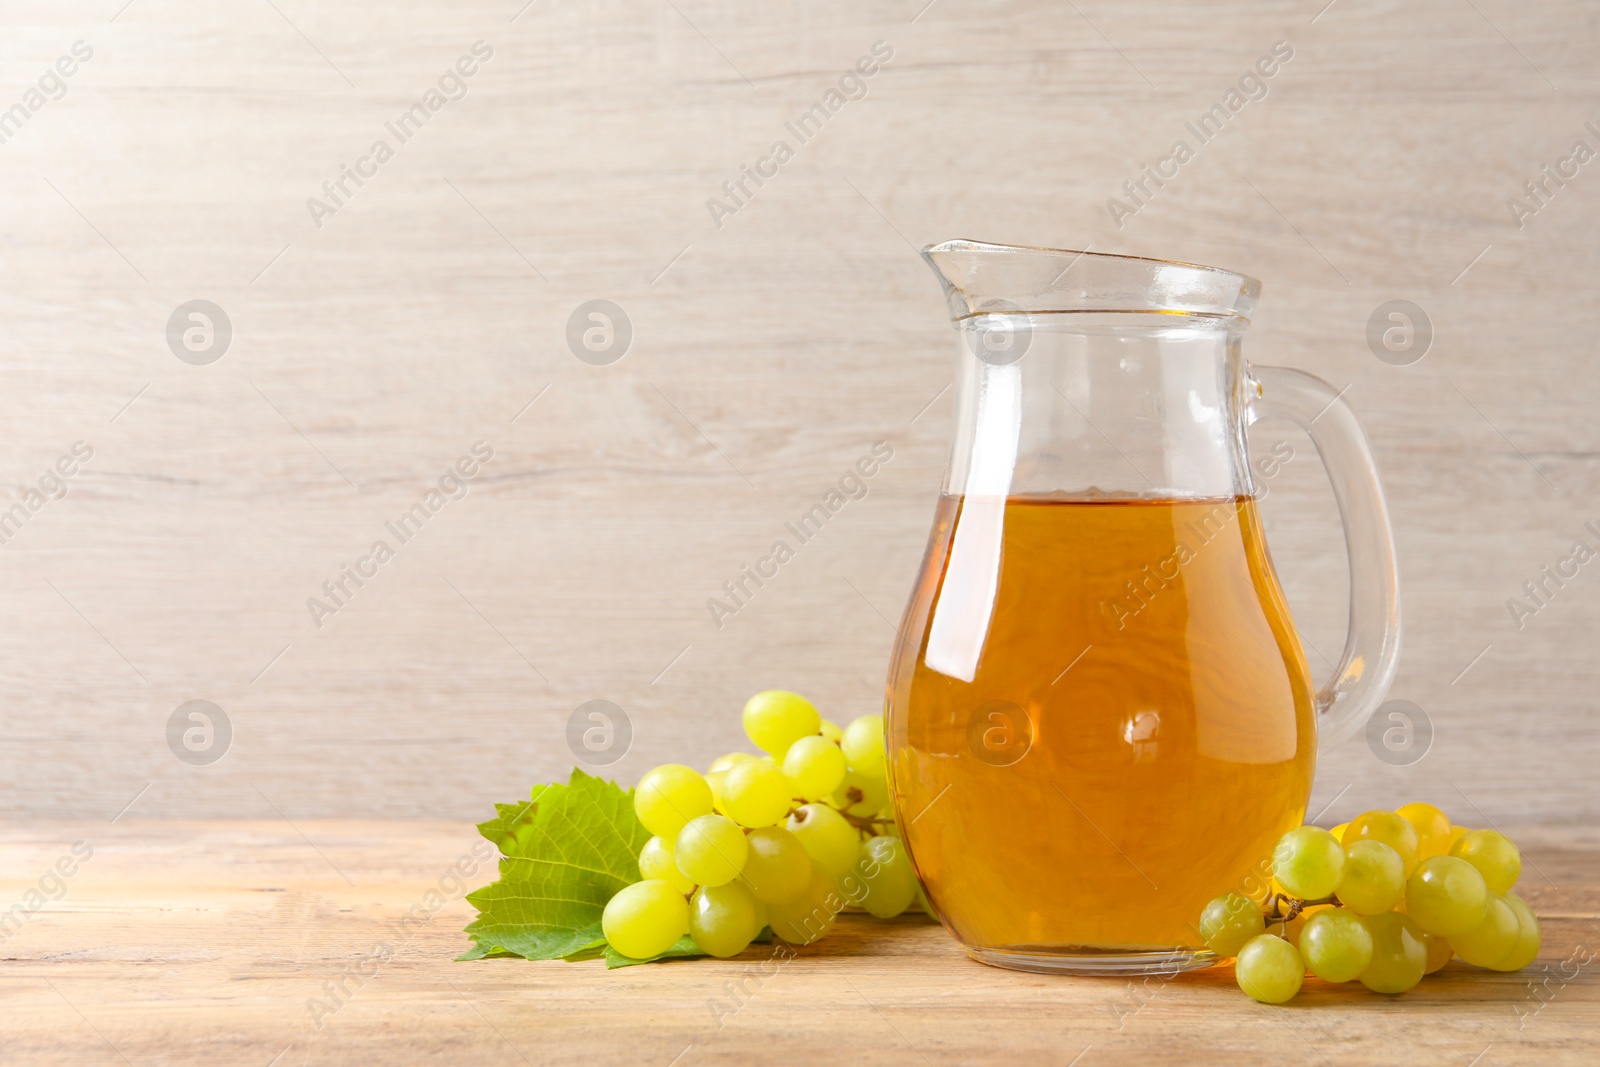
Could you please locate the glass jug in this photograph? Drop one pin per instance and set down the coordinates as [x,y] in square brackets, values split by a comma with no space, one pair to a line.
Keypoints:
[1099,714]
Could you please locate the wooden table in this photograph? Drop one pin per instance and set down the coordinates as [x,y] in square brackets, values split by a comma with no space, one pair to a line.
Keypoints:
[206,942]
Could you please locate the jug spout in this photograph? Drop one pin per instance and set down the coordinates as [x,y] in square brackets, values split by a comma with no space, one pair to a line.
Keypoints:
[982,279]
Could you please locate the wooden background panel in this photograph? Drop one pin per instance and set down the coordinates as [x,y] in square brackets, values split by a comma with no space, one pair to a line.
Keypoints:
[768,355]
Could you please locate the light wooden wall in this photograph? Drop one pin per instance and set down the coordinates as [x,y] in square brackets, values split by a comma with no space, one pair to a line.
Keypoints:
[768,355]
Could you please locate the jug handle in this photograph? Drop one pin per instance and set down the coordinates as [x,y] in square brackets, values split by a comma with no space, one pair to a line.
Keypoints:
[1372,646]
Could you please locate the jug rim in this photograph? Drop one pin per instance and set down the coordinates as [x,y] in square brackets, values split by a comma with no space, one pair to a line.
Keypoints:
[983,278]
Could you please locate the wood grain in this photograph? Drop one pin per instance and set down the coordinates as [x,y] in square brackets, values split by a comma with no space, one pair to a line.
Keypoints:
[768,355]
[207,942]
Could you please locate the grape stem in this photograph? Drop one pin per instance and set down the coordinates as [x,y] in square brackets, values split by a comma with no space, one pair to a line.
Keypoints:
[867,824]
[1295,906]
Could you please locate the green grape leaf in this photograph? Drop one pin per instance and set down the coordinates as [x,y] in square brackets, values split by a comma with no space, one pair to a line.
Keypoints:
[594,951]
[510,818]
[565,853]
[487,952]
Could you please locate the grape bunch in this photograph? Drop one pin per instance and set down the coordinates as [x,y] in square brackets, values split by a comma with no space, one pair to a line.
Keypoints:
[1383,899]
[785,840]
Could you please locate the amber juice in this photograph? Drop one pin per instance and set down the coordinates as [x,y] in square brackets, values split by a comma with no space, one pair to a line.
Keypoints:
[1099,718]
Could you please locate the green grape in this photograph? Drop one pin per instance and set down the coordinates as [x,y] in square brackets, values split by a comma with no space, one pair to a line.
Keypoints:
[755,793]
[1293,929]
[863,745]
[1374,878]
[778,868]
[1493,854]
[827,838]
[1527,948]
[1229,921]
[645,919]
[711,850]
[1307,862]
[887,884]
[816,766]
[1492,942]
[1389,828]
[657,861]
[1446,895]
[1269,969]
[723,763]
[669,796]
[811,914]
[1337,945]
[724,919]
[776,719]
[831,731]
[716,780]
[1439,952]
[860,795]
[1398,955]
[1432,827]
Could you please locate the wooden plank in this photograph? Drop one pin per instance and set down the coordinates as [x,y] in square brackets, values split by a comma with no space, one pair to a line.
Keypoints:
[206,942]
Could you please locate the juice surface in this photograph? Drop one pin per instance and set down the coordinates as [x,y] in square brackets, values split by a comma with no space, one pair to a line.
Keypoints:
[1099,718]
